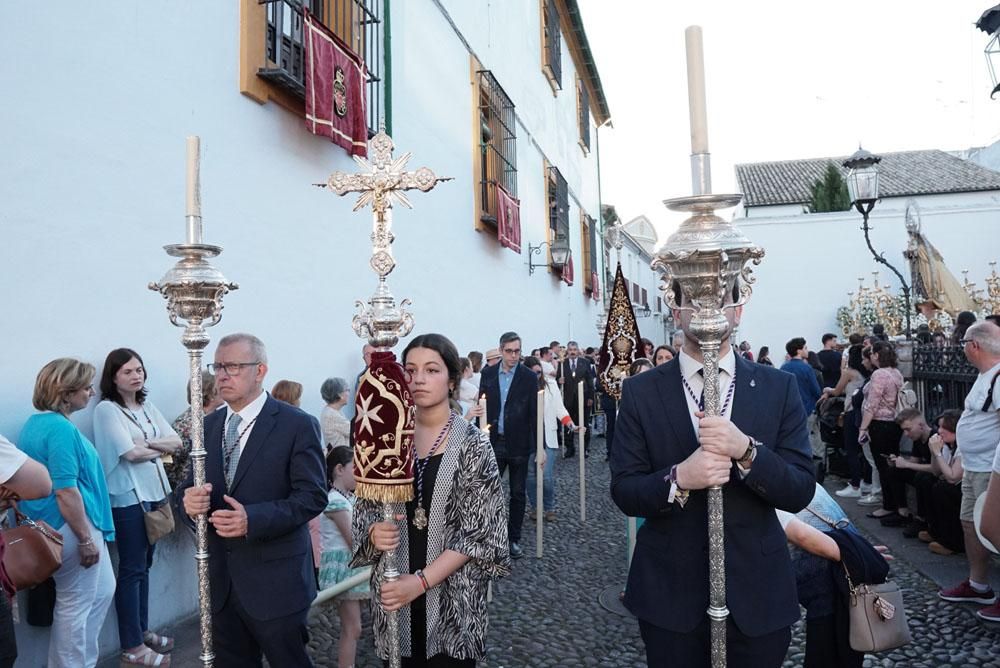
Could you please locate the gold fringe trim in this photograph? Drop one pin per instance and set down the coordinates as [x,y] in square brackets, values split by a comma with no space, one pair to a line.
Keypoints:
[387,492]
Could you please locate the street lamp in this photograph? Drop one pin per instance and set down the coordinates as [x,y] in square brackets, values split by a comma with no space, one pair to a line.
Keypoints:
[558,253]
[862,185]
[989,23]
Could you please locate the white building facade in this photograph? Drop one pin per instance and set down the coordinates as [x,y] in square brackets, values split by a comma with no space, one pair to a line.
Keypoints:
[813,260]
[93,188]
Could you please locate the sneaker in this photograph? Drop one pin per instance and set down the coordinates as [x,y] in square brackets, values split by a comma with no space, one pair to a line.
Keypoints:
[870,500]
[515,551]
[938,548]
[550,516]
[925,537]
[990,614]
[849,492]
[866,488]
[964,593]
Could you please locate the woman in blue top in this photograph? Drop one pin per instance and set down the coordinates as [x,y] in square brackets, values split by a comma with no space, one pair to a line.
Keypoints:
[78,508]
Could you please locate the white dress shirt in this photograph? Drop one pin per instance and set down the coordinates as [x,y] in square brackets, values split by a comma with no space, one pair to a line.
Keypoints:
[248,415]
[689,371]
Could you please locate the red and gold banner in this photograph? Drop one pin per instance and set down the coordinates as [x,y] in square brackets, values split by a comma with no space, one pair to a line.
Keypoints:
[567,271]
[335,89]
[383,432]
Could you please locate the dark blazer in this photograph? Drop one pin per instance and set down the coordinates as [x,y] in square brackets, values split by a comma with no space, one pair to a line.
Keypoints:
[280,480]
[668,581]
[585,372]
[520,412]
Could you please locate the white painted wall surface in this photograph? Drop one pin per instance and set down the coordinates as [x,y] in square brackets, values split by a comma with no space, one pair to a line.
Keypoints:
[92,188]
[814,260]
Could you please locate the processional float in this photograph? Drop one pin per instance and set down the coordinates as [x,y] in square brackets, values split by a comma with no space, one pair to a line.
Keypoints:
[194,289]
[705,259]
[383,432]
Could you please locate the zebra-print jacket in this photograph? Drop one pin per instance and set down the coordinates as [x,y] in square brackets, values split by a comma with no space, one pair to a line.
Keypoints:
[468,514]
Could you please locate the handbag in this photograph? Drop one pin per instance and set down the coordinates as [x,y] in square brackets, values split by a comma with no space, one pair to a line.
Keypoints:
[159,518]
[877,617]
[32,553]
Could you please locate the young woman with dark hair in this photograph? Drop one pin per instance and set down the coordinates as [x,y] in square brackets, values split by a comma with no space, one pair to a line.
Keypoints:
[132,437]
[455,538]
[764,356]
[852,379]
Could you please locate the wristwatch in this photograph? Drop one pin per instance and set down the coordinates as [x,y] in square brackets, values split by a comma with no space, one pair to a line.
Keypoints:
[750,454]
[677,495]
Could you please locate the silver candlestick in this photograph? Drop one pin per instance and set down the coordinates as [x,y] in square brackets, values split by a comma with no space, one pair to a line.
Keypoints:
[194,289]
[705,258]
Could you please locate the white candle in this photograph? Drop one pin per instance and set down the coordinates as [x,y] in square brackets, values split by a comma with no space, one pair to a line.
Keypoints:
[483,422]
[539,481]
[696,89]
[193,189]
[581,452]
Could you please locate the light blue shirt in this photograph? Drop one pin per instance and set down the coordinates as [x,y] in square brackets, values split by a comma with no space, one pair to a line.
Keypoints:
[505,378]
[72,461]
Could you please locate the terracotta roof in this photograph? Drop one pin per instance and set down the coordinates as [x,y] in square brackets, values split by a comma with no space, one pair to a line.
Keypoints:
[900,175]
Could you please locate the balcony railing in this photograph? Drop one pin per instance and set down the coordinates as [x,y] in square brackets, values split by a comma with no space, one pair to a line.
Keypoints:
[356,22]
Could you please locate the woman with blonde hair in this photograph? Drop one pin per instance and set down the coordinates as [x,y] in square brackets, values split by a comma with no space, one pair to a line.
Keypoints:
[79,508]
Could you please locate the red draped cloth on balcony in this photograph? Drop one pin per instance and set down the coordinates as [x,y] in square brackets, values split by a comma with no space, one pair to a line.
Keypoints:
[508,220]
[595,286]
[335,89]
[567,271]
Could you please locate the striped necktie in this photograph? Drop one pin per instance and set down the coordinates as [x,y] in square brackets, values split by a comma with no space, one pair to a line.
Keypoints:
[231,447]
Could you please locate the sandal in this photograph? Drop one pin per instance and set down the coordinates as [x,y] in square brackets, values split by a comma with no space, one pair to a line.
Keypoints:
[161,644]
[147,658]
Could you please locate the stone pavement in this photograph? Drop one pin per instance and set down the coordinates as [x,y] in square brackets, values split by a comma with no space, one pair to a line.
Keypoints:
[547,614]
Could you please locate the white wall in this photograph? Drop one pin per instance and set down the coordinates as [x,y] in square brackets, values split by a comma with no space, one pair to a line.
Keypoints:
[92,187]
[812,261]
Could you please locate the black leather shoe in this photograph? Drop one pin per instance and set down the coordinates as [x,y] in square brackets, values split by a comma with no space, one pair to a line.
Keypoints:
[515,551]
[913,529]
[569,454]
[894,520]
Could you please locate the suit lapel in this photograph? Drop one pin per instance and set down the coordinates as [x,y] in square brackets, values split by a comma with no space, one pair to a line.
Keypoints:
[213,448]
[745,409]
[675,406]
[258,435]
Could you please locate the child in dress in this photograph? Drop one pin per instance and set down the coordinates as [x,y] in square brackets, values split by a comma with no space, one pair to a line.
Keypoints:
[335,530]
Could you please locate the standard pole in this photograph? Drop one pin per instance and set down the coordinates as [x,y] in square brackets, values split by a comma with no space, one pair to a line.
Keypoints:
[391,574]
[581,452]
[539,481]
[198,455]
[717,610]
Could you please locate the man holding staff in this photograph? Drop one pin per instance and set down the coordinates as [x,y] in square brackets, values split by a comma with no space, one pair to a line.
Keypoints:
[666,455]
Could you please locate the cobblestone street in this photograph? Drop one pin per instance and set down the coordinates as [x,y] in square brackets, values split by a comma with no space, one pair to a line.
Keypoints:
[549,612]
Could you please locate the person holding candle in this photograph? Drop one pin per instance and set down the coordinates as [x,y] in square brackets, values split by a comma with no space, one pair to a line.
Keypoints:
[570,372]
[454,538]
[666,455]
[132,437]
[555,415]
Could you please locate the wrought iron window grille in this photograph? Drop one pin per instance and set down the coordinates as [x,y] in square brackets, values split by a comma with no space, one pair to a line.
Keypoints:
[942,378]
[551,44]
[357,22]
[497,144]
[558,200]
[583,113]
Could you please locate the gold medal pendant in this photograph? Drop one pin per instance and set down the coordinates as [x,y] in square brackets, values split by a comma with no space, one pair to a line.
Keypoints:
[420,518]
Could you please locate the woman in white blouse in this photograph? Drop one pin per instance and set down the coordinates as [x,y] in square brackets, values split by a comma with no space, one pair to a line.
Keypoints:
[336,428]
[131,436]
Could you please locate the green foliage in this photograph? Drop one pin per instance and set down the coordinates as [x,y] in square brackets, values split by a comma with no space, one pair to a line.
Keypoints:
[829,193]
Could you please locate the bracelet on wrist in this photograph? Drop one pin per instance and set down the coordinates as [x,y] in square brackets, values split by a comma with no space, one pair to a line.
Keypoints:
[423,579]
[85,543]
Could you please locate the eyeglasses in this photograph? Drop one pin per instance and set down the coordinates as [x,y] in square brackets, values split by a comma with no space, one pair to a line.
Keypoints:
[962,342]
[511,351]
[230,368]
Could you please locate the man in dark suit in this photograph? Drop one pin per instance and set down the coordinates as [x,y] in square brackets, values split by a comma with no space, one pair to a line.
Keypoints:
[264,482]
[512,410]
[665,457]
[571,371]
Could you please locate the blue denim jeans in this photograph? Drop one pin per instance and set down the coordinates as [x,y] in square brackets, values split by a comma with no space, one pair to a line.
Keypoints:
[548,481]
[135,557]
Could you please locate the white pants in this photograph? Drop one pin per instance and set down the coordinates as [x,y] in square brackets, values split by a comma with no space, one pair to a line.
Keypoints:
[83,596]
[866,449]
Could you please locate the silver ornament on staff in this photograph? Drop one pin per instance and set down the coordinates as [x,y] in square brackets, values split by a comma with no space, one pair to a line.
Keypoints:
[705,259]
[381,322]
[194,289]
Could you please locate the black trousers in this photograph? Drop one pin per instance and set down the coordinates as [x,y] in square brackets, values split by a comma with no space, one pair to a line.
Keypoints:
[896,482]
[665,649]
[518,467]
[885,437]
[610,408]
[822,648]
[943,523]
[240,639]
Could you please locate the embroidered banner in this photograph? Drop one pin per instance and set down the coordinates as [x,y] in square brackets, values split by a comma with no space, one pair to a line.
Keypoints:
[335,89]
[621,339]
[508,220]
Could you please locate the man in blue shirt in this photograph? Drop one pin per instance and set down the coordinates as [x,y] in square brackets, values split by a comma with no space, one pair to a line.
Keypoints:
[511,391]
[809,388]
